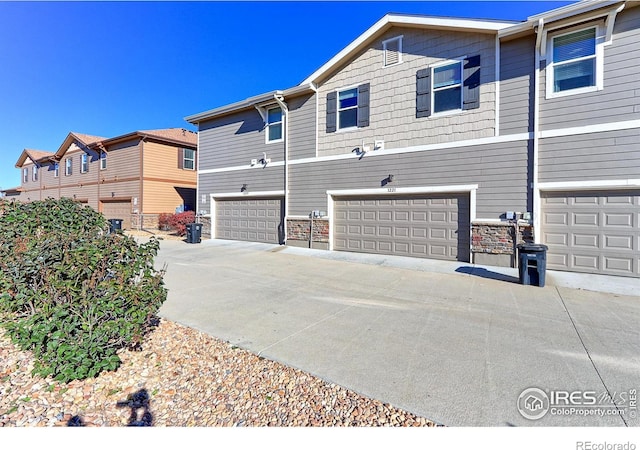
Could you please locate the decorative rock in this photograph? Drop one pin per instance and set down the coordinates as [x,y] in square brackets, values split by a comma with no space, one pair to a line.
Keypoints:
[183,377]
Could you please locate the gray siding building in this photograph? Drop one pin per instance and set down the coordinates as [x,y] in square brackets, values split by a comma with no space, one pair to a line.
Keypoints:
[445,138]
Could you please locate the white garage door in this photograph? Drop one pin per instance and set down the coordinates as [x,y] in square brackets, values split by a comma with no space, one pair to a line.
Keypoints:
[255,219]
[424,226]
[593,232]
[120,209]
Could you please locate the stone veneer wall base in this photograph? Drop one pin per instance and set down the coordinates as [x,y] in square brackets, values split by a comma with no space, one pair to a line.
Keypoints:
[493,242]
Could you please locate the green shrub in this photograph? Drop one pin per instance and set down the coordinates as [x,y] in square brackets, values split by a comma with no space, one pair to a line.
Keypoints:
[74,294]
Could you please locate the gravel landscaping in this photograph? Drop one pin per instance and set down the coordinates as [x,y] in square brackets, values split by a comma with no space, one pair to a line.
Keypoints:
[183,377]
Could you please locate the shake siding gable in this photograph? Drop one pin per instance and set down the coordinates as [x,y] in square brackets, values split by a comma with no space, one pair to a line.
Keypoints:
[393,92]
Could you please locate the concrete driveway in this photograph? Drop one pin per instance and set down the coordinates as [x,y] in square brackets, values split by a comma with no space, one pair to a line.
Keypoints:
[455,343]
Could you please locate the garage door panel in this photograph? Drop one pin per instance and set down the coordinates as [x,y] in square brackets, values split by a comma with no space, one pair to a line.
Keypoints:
[622,265]
[120,209]
[585,240]
[588,219]
[428,226]
[619,242]
[556,218]
[585,262]
[619,220]
[557,259]
[255,220]
[602,236]
[620,200]
[585,200]
[556,239]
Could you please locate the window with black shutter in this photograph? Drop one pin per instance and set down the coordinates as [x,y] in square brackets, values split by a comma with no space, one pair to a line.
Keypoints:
[450,86]
[348,108]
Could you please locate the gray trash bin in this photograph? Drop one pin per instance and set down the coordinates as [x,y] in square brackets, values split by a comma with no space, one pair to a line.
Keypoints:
[115,225]
[532,264]
[194,232]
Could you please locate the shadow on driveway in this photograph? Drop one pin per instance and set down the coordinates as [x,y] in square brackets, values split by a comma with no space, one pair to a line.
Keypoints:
[484,273]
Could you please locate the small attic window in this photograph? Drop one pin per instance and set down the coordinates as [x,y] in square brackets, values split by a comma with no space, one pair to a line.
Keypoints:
[392,49]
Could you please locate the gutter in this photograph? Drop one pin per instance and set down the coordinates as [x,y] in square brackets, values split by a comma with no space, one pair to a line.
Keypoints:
[285,112]
[536,133]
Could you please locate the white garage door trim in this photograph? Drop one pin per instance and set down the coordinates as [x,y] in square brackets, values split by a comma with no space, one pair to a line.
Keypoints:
[579,188]
[463,188]
[225,195]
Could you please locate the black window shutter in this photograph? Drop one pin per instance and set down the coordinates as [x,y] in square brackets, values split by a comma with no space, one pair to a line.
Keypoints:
[423,91]
[180,158]
[471,89]
[332,106]
[363,105]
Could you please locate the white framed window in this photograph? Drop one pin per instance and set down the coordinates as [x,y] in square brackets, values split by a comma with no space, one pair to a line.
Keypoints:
[274,124]
[103,160]
[56,170]
[188,159]
[392,50]
[446,89]
[348,108]
[35,173]
[25,175]
[575,62]
[68,166]
[84,163]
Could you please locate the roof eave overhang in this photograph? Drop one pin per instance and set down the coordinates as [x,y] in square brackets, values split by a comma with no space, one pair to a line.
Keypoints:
[390,20]
[248,103]
[558,14]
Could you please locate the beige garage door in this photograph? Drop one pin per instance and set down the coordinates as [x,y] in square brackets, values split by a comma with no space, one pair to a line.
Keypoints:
[424,226]
[593,232]
[120,209]
[255,220]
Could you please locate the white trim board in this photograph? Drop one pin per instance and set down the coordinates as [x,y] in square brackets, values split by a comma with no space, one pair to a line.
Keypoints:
[404,191]
[589,185]
[247,194]
[587,129]
[247,167]
[418,148]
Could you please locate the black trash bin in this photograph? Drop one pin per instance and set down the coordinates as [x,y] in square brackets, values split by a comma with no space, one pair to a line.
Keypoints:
[115,225]
[194,231]
[532,263]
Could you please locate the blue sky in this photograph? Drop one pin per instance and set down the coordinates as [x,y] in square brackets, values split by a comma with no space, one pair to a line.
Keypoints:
[109,68]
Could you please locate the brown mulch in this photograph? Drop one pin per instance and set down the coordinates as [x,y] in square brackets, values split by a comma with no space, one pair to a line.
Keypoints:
[183,377]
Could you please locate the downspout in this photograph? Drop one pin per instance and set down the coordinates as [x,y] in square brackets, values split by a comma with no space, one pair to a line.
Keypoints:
[285,114]
[536,133]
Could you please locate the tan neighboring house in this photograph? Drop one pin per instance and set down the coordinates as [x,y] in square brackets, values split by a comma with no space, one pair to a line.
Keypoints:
[133,177]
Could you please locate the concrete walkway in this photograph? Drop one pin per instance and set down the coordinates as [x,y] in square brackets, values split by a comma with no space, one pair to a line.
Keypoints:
[453,342]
